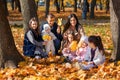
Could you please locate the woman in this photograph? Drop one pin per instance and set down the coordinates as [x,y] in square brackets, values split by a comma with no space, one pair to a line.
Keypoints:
[33,43]
[72,26]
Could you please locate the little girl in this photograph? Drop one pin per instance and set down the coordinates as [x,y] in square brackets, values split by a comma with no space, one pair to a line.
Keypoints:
[95,55]
[82,49]
[69,49]
[49,37]
[33,43]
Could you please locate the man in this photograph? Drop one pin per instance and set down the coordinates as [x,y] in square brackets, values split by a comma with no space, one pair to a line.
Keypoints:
[55,29]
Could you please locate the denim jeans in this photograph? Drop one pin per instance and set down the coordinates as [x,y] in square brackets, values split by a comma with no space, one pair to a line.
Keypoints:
[57,44]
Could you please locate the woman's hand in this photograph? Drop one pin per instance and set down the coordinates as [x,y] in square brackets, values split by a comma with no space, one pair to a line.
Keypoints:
[58,30]
[44,43]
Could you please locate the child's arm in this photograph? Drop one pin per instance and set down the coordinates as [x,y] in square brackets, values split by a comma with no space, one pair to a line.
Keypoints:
[32,39]
[98,59]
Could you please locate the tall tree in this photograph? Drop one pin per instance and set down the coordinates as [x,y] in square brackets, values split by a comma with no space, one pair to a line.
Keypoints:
[57,6]
[85,9]
[107,5]
[101,5]
[47,6]
[75,5]
[17,5]
[93,3]
[9,56]
[5,6]
[115,27]
[62,5]
[29,10]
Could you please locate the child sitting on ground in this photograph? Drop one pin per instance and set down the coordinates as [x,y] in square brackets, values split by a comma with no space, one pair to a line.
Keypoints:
[95,54]
[82,49]
[69,49]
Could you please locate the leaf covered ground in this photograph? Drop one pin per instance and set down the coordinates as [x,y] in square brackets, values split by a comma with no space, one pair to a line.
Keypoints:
[55,67]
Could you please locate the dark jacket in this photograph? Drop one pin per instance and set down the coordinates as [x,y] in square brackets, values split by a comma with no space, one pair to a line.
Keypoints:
[29,47]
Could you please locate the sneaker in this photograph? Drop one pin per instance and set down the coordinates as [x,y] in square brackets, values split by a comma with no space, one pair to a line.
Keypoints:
[37,57]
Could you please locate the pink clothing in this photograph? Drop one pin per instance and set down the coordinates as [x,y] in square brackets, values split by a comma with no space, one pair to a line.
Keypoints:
[81,53]
[68,53]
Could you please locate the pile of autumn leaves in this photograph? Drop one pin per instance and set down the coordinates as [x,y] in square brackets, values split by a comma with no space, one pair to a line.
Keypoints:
[56,68]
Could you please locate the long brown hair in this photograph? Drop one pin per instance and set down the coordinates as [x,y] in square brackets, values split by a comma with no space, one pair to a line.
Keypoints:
[36,31]
[67,25]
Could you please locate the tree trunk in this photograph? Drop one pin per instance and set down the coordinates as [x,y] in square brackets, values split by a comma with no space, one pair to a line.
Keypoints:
[75,5]
[17,5]
[107,6]
[93,3]
[5,6]
[101,5]
[47,6]
[84,9]
[9,56]
[115,27]
[57,6]
[62,5]
[29,11]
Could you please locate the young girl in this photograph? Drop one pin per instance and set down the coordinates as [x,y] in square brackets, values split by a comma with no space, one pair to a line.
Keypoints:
[49,37]
[95,55]
[70,46]
[82,49]
[33,43]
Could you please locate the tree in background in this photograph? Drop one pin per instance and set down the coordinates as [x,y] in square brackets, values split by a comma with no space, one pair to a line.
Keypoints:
[17,5]
[85,9]
[62,5]
[115,28]
[107,6]
[93,3]
[57,6]
[13,4]
[47,6]
[36,2]
[9,56]
[75,5]
[101,6]
[29,11]
[5,6]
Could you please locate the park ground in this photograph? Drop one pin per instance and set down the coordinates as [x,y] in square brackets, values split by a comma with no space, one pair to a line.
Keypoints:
[54,68]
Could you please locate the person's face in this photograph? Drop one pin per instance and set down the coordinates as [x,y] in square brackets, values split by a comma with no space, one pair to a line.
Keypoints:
[48,30]
[84,44]
[34,25]
[50,21]
[70,38]
[91,45]
[73,21]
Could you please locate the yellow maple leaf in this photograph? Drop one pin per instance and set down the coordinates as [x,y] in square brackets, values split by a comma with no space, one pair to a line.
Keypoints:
[73,46]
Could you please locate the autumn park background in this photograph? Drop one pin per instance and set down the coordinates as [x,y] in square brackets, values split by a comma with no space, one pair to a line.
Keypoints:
[54,67]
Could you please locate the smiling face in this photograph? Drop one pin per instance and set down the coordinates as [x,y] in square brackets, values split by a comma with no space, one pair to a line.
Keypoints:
[73,21]
[51,20]
[34,25]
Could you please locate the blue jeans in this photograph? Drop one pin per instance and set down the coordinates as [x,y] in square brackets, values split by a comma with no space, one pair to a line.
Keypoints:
[57,44]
